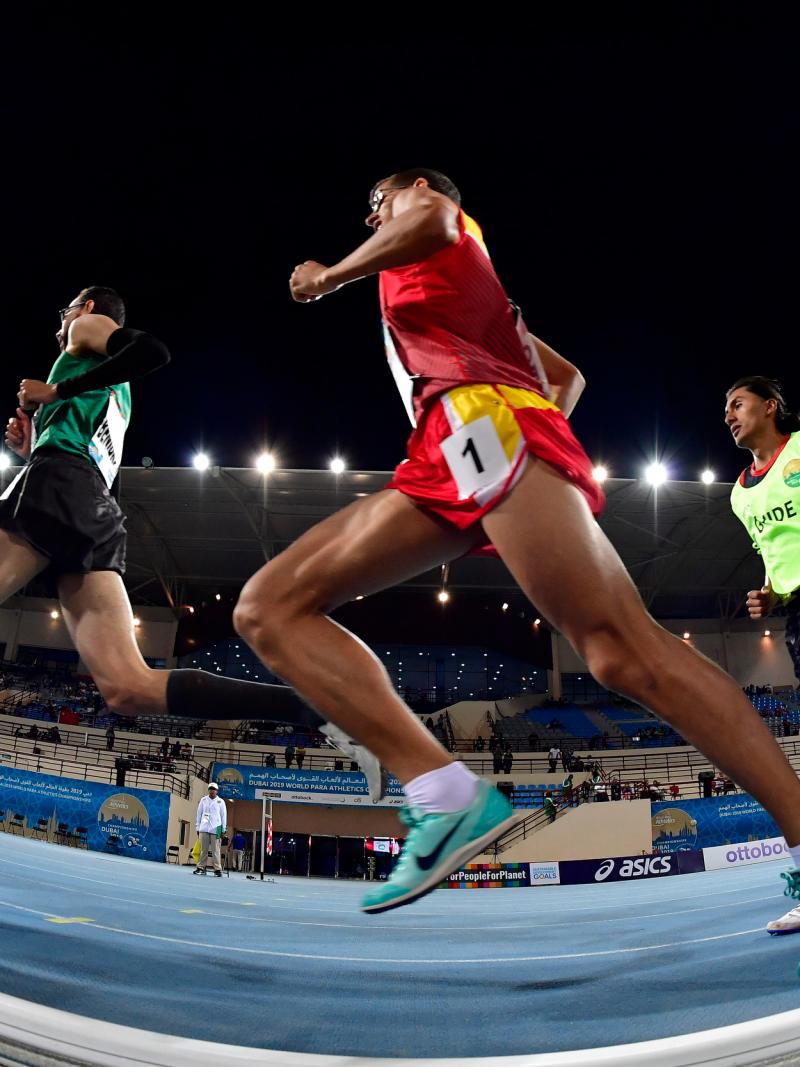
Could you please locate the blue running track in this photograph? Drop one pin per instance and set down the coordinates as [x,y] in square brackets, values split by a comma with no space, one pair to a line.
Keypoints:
[295,966]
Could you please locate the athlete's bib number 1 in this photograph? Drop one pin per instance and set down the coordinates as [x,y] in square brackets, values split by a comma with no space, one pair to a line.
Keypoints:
[476,457]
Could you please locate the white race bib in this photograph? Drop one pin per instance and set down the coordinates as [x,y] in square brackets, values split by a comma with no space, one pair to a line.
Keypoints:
[105,447]
[403,380]
[476,457]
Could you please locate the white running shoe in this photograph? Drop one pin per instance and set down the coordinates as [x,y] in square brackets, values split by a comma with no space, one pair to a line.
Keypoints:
[787,924]
[377,777]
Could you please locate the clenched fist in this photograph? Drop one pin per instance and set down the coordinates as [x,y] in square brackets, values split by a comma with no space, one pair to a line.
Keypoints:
[760,602]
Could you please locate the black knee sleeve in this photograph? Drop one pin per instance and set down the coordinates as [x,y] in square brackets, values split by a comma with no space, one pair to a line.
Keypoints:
[200,695]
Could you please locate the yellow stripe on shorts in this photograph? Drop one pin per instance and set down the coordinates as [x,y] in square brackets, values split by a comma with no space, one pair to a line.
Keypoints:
[471,402]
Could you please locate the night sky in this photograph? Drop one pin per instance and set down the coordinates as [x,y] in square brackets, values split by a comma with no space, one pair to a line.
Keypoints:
[636,185]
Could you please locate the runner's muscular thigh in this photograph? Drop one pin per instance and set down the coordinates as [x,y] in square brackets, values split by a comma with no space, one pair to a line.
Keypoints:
[370,545]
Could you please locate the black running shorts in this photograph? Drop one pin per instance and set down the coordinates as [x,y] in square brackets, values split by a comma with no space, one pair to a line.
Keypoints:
[62,507]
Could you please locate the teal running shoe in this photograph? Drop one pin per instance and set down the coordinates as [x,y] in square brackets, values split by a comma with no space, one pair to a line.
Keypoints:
[790,922]
[439,843]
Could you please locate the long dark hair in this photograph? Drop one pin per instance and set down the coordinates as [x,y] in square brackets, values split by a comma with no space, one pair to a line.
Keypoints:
[786,421]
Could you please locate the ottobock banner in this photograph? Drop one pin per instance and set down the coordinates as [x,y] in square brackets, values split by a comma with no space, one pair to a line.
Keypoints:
[682,824]
[629,868]
[490,876]
[243,782]
[739,855]
[131,822]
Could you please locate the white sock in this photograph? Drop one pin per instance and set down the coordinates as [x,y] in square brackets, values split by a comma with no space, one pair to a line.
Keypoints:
[449,788]
[794,852]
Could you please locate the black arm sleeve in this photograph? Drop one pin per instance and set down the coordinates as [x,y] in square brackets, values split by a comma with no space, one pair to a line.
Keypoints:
[132,354]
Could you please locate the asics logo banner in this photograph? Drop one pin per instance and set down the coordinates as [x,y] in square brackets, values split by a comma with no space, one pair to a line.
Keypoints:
[604,871]
[637,868]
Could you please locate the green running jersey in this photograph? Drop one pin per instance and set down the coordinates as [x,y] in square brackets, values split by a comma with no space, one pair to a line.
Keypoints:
[768,503]
[91,425]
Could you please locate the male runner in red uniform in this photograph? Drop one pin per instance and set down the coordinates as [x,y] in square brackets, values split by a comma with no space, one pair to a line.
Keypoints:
[492,459]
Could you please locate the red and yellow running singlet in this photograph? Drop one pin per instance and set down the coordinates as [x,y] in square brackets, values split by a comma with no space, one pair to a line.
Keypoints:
[447,321]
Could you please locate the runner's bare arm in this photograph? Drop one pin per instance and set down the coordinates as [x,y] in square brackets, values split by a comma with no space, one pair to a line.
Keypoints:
[566,381]
[89,334]
[424,222]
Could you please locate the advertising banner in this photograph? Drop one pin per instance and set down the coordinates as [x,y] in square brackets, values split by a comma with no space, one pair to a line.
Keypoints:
[490,876]
[131,822]
[693,824]
[545,873]
[629,868]
[293,786]
[739,855]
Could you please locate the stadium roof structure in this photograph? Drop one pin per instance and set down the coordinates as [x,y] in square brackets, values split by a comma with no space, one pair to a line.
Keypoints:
[193,532]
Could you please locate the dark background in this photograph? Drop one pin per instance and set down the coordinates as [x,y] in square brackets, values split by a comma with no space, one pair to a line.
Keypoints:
[634,170]
[635,179]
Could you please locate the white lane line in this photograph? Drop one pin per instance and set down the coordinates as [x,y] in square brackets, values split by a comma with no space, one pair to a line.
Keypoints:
[167,892]
[384,959]
[368,925]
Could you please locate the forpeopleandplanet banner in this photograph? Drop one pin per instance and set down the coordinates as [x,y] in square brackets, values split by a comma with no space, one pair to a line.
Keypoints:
[490,876]
[243,782]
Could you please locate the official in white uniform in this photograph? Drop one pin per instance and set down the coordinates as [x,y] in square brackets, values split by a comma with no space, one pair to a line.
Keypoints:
[212,818]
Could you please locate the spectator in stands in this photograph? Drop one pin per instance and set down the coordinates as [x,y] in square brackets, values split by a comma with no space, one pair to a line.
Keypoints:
[33,733]
[566,790]
[288,755]
[553,756]
[550,809]
[508,760]
[269,759]
[616,789]
[110,738]
[497,760]
[164,748]
[566,759]
[494,741]
[300,755]
[186,751]
[53,735]
[627,791]
[175,751]
[479,744]
[674,791]
[237,849]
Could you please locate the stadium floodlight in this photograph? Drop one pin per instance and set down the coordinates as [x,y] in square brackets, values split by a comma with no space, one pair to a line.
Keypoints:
[265,463]
[656,474]
[600,473]
[201,462]
[5,461]
[337,465]
[686,635]
[54,614]
[442,596]
[707,477]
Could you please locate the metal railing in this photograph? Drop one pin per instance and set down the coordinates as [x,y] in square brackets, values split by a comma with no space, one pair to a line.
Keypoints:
[79,738]
[92,772]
